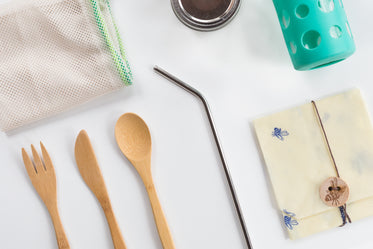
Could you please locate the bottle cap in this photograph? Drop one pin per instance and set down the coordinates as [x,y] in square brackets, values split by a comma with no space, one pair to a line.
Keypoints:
[205,15]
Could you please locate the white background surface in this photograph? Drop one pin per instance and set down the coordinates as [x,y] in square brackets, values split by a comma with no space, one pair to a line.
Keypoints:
[245,72]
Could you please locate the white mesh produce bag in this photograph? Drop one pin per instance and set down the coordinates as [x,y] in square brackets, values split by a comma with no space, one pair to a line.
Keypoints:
[54,55]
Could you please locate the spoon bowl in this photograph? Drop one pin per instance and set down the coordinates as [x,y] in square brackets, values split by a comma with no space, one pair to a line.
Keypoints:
[133,137]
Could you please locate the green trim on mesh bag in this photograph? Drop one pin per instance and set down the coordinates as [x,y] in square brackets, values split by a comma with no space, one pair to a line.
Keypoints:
[119,57]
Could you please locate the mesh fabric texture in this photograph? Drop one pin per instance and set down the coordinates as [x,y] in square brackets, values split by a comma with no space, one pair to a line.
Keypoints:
[54,55]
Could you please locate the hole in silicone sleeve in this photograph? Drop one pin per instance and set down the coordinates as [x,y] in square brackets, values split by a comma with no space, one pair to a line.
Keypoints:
[302,11]
[285,19]
[311,39]
[348,29]
[293,47]
[335,32]
[326,5]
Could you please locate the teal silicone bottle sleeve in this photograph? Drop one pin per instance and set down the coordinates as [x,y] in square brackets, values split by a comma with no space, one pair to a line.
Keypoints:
[316,32]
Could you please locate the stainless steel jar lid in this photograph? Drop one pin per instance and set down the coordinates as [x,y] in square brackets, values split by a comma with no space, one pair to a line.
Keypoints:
[205,15]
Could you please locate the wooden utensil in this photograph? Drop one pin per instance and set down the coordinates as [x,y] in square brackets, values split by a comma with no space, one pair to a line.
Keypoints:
[91,173]
[43,178]
[133,138]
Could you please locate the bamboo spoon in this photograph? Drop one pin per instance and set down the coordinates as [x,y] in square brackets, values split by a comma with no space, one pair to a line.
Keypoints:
[43,177]
[133,138]
[91,173]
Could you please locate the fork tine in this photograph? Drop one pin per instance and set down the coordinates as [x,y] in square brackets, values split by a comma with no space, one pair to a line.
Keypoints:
[47,160]
[37,160]
[28,164]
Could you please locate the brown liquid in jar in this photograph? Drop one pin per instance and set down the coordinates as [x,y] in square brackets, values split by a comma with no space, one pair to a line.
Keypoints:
[205,9]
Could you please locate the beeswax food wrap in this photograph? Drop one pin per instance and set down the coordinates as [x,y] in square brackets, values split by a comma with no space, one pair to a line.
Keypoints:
[298,161]
[54,55]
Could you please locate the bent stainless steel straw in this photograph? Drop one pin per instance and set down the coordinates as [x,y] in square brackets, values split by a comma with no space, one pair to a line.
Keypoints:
[195,92]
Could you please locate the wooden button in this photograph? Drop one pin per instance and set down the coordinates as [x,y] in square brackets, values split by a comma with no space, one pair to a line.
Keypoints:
[334,192]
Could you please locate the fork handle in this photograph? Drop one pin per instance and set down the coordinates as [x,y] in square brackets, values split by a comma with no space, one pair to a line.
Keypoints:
[62,241]
[116,234]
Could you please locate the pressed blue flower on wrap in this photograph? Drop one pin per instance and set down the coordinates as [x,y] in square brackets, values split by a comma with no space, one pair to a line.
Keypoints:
[279,133]
[289,220]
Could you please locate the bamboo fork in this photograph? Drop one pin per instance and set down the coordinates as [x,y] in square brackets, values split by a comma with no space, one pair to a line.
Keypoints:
[43,178]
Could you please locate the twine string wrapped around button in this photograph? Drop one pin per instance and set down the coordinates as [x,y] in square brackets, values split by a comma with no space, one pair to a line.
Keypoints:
[332,197]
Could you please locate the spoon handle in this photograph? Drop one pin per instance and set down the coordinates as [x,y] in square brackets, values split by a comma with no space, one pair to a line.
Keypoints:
[159,217]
